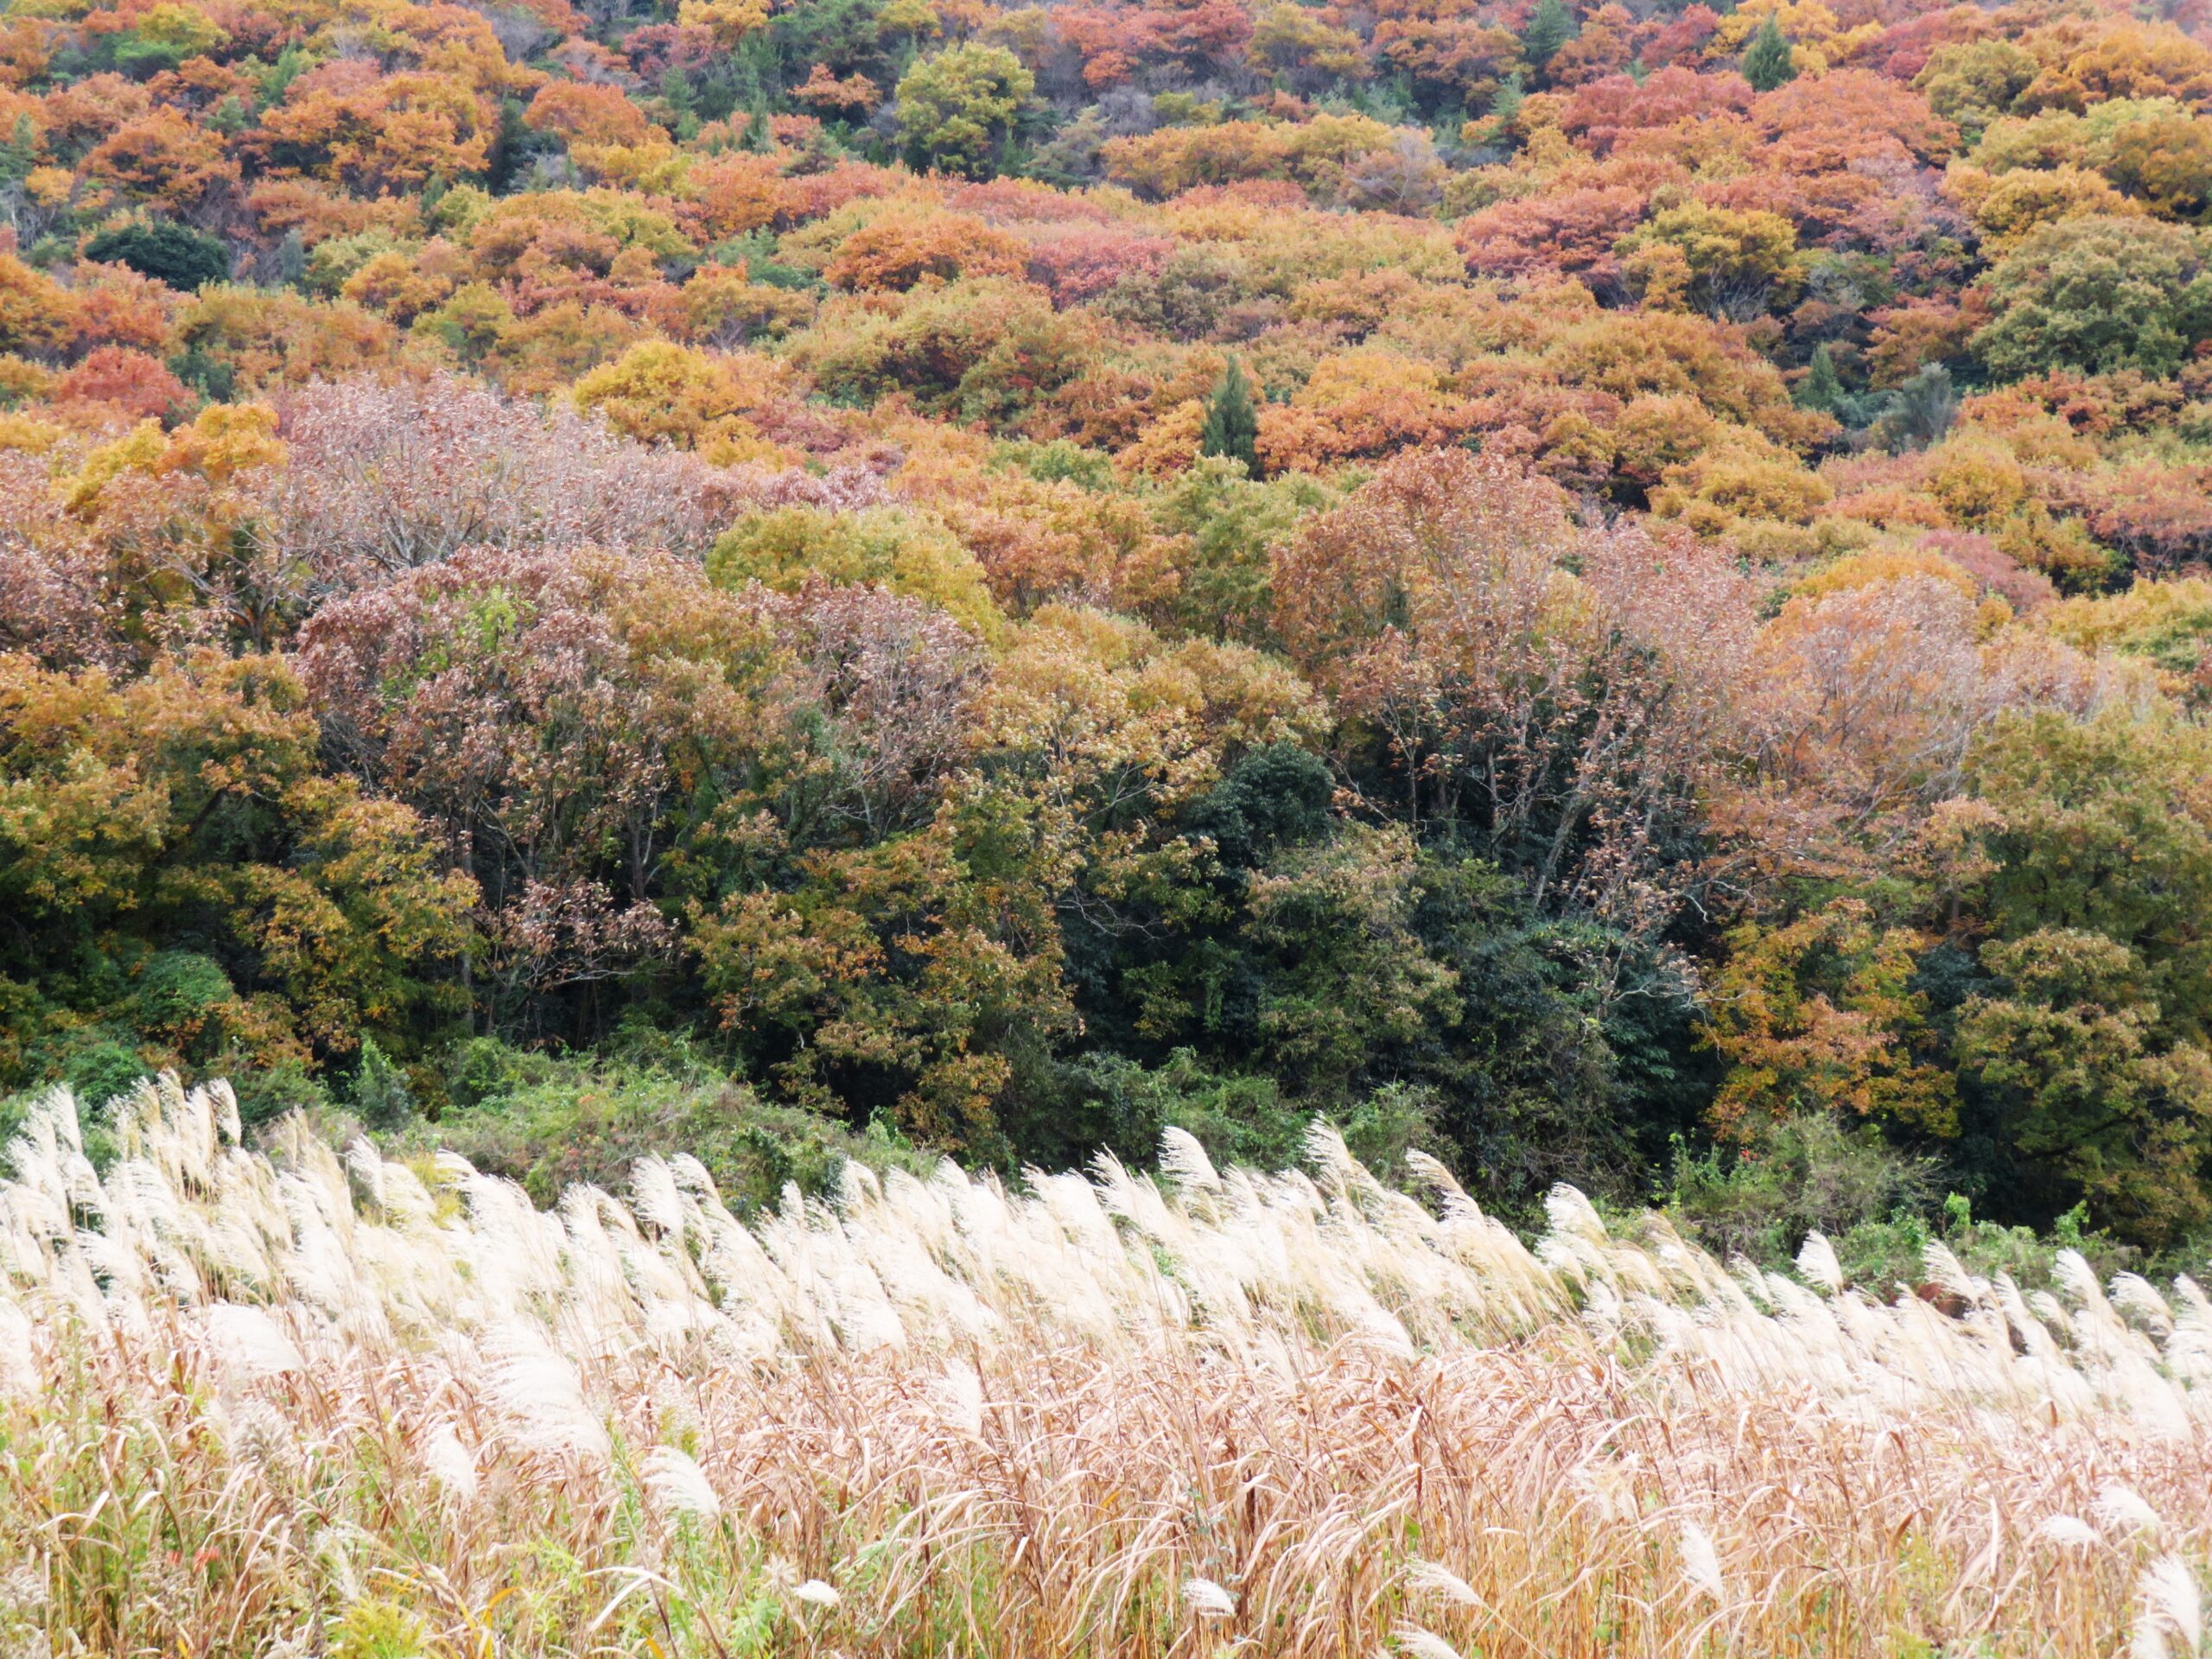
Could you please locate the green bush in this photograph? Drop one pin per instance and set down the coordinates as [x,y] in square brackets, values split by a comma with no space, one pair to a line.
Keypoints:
[380,1093]
[1809,1173]
[268,1093]
[181,998]
[552,1123]
[1247,1120]
[1876,1205]
[101,1071]
[168,252]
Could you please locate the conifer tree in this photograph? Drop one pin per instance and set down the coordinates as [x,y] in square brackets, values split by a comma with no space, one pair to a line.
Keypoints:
[381,1097]
[1822,387]
[1549,27]
[1232,425]
[683,100]
[1770,62]
[1505,106]
[19,155]
[1920,411]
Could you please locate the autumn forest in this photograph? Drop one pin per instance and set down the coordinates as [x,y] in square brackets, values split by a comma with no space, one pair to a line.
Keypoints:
[1610,594]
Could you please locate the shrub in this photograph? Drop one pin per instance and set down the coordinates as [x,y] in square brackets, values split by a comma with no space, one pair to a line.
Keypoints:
[549,1123]
[1806,1173]
[168,252]
[380,1093]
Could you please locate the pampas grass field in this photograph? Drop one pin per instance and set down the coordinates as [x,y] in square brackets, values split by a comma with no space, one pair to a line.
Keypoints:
[293,1403]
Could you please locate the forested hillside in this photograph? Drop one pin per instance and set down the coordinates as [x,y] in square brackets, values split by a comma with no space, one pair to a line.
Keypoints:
[1612,594]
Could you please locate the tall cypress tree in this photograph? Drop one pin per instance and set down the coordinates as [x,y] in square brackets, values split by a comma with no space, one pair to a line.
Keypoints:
[1550,27]
[1822,387]
[20,153]
[1232,425]
[1504,107]
[1770,61]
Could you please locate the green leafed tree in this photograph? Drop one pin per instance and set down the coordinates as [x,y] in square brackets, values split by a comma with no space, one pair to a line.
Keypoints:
[1232,427]
[2101,295]
[19,155]
[1550,27]
[1822,387]
[168,252]
[1920,411]
[957,109]
[1768,62]
[380,1093]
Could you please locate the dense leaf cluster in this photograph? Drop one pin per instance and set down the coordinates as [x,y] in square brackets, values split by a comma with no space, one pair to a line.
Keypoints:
[1581,587]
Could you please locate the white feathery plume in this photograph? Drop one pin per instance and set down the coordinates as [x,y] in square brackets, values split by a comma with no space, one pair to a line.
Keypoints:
[1184,1158]
[654,1197]
[679,1486]
[1816,1261]
[1432,1173]
[2172,1611]
[538,1396]
[333,1549]
[2133,1295]
[959,1398]
[1430,1579]
[224,1100]
[1326,1153]
[1569,1212]
[1948,1276]
[450,1463]
[2121,1509]
[1702,1563]
[365,1169]
[1423,1645]
[19,1370]
[56,1116]
[815,1593]
[1208,1599]
[2077,1279]
[250,1345]
[2068,1532]
[857,1186]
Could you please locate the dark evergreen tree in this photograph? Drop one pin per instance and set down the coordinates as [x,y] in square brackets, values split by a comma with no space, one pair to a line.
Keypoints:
[292,259]
[1550,27]
[1920,411]
[1507,105]
[1822,387]
[683,101]
[511,149]
[381,1098]
[168,252]
[20,153]
[1232,425]
[1769,61]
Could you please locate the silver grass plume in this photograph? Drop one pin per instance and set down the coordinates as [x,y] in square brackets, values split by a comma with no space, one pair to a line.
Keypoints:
[1430,1579]
[1183,1158]
[451,1464]
[2121,1509]
[1208,1599]
[1816,1261]
[2068,1532]
[1701,1564]
[2169,1612]
[679,1486]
